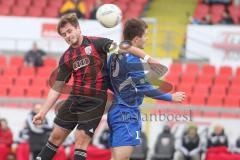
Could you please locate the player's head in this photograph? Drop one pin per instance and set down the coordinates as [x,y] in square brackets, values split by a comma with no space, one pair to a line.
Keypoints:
[135,30]
[69,28]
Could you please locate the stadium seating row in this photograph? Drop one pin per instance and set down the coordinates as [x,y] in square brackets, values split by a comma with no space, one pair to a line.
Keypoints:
[216,11]
[204,85]
[50,8]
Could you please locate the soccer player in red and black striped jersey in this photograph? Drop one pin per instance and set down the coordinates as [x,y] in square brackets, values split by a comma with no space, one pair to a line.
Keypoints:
[85,60]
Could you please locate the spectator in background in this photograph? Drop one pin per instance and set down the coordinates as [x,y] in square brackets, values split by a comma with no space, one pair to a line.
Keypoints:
[140,152]
[103,139]
[218,138]
[226,18]
[34,57]
[189,145]
[38,135]
[236,147]
[218,1]
[74,6]
[95,8]
[6,139]
[206,20]
[165,145]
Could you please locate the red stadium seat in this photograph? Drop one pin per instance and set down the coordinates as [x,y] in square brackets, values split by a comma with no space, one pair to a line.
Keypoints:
[175,68]
[201,11]
[25,3]
[6,81]
[56,3]
[192,68]
[234,90]
[3,91]
[50,62]
[188,78]
[3,60]
[232,101]
[16,61]
[34,92]
[23,81]
[216,18]
[19,11]
[173,79]
[45,91]
[23,151]
[26,71]
[205,79]
[234,13]
[8,2]
[10,71]
[215,100]
[225,71]
[201,89]
[217,9]
[222,80]
[208,69]
[4,10]
[108,1]
[16,91]
[236,81]
[5,150]
[60,155]
[41,82]
[218,90]
[44,72]
[188,88]
[216,13]
[35,11]
[51,12]
[41,3]
[198,99]
[238,72]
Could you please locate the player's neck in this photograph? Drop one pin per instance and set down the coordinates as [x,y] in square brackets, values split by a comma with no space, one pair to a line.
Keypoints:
[80,40]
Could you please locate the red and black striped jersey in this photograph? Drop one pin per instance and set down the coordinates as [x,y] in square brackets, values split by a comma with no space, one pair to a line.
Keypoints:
[88,66]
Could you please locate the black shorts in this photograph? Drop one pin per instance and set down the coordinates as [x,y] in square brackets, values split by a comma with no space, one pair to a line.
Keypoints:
[83,112]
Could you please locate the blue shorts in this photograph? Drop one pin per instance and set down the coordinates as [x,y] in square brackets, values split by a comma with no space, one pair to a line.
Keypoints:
[125,126]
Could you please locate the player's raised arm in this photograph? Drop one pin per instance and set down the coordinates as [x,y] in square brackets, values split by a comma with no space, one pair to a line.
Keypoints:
[53,95]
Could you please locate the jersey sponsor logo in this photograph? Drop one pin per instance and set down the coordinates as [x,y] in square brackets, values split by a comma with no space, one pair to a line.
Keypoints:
[88,50]
[81,63]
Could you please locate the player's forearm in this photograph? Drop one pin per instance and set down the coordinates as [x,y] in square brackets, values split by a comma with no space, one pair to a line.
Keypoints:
[51,100]
[53,96]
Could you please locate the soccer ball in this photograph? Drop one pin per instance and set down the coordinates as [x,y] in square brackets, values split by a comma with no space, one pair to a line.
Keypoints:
[109,15]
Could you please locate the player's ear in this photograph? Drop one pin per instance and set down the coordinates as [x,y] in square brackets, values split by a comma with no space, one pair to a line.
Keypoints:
[135,39]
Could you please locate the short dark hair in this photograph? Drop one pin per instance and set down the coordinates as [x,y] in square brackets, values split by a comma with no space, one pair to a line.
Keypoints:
[134,27]
[70,18]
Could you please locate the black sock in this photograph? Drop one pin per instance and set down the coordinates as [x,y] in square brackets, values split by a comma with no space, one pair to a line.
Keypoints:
[48,152]
[80,154]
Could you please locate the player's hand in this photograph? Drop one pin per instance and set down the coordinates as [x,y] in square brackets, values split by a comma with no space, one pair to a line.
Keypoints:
[178,96]
[157,67]
[39,118]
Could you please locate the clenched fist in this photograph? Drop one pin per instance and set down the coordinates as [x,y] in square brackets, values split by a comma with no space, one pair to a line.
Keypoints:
[38,119]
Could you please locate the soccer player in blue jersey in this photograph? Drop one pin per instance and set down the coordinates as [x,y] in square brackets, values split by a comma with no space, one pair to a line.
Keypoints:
[130,85]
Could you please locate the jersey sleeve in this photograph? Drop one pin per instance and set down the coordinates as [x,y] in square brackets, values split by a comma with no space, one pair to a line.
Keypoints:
[103,45]
[64,72]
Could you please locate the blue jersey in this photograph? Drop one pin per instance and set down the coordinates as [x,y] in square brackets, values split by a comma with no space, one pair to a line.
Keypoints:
[129,83]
